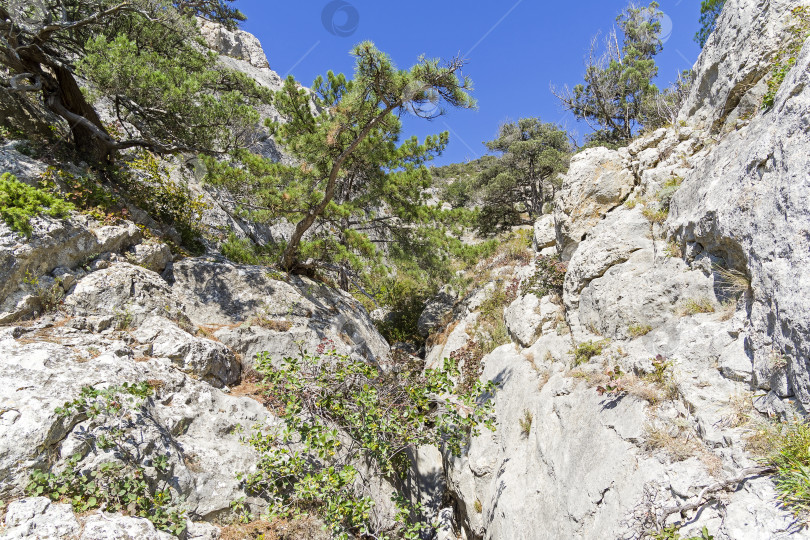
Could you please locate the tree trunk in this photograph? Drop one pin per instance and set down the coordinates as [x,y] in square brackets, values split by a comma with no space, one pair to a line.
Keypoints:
[86,139]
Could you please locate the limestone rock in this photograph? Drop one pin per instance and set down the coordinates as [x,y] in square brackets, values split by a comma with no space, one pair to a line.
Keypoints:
[152,256]
[528,317]
[436,310]
[256,312]
[736,57]
[204,358]
[237,44]
[596,183]
[117,527]
[128,292]
[37,518]
[545,235]
[746,205]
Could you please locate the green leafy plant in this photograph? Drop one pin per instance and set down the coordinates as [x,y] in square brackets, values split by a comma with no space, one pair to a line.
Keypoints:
[20,202]
[587,350]
[151,187]
[614,386]
[337,410]
[786,58]
[672,532]
[118,485]
[548,277]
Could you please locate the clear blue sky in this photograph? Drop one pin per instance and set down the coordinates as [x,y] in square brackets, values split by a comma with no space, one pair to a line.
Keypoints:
[515,50]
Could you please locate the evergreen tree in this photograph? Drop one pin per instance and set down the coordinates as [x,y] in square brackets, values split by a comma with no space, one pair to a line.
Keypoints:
[356,190]
[144,58]
[709,12]
[532,156]
[619,81]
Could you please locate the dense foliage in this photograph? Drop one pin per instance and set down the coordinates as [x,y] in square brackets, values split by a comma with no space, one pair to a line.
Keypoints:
[344,418]
[355,184]
[618,81]
[20,202]
[533,154]
[145,58]
[709,12]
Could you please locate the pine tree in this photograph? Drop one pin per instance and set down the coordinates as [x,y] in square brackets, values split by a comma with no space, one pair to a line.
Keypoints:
[356,189]
[533,154]
[146,58]
[709,12]
[619,81]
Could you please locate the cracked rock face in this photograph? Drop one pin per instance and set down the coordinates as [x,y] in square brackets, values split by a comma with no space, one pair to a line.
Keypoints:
[596,183]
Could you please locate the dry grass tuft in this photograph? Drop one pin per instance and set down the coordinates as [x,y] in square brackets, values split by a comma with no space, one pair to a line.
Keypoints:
[303,528]
[693,306]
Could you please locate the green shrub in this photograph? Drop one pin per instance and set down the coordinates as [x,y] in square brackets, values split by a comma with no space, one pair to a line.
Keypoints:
[585,351]
[20,202]
[119,485]
[167,201]
[791,458]
[84,191]
[383,411]
[786,58]
[548,277]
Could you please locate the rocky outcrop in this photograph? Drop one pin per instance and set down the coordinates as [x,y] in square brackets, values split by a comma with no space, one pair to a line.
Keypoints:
[730,73]
[596,183]
[234,43]
[745,207]
[589,442]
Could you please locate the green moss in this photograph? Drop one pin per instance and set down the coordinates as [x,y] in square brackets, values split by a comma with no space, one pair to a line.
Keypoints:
[20,202]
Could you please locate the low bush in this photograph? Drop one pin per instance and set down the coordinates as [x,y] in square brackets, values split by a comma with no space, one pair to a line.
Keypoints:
[338,410]
[638,330]
[548,277]
[120,484]
[19,203]
[584,352]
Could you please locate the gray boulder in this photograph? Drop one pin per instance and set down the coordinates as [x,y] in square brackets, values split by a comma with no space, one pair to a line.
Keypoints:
[596,183]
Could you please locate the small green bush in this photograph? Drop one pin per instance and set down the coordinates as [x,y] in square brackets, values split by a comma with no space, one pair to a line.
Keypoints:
[383,412]
[786,58]
[791,457]
[20,202]
[548,277]
[585,351]
[119,485]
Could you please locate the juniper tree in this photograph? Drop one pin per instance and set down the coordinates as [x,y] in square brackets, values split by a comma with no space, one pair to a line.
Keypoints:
[618,80]
[144,58]
[532,155]
[355,185]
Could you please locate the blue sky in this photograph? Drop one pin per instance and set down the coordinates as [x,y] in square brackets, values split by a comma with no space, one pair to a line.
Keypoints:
[516,49]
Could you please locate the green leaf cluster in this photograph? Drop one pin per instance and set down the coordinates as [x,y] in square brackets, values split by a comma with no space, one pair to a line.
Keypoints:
[118,485]
[20,202]
[338,411]
[710,10]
